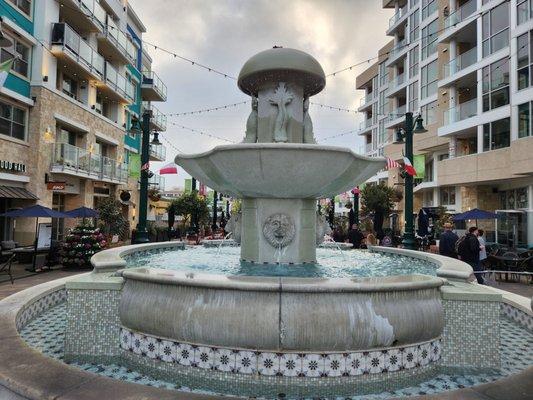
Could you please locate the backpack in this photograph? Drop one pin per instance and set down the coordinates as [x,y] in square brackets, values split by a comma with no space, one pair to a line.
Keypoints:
[460,245]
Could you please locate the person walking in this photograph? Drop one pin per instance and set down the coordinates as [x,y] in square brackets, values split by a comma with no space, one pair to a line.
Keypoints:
[468,250]
[447,241]
[355,236]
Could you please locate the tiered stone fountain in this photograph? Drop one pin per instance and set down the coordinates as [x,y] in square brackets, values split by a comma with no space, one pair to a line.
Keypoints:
[279,171]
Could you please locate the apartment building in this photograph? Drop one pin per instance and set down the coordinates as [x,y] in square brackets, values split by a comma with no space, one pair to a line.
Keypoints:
[79,79]
[465,66]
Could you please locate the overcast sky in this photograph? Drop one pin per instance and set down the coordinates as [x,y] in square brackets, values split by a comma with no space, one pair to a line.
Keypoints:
[223,34]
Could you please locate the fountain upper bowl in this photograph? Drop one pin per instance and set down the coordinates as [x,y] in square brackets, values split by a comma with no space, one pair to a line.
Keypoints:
[280,170]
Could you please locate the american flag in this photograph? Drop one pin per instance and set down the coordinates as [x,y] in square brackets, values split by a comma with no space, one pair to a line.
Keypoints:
[392,164]
[145,166]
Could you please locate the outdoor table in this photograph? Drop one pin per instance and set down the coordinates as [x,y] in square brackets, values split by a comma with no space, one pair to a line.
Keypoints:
[29,251]
[510,263]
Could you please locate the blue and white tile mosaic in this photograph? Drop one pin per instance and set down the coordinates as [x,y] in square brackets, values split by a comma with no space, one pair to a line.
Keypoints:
[46,333]
[40,305]
[517,315]
[285,363]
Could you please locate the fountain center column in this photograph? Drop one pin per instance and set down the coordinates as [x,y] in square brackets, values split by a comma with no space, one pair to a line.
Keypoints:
[278,230]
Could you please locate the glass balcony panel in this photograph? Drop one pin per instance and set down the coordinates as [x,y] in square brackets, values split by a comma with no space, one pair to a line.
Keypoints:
[461,14]
[462,61]
[461,111]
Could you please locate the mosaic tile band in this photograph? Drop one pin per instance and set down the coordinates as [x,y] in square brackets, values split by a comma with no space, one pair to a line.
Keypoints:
[519,316]
[39,305]
[281,364]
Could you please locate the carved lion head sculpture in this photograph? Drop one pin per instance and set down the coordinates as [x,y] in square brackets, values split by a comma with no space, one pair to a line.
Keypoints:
[279,230]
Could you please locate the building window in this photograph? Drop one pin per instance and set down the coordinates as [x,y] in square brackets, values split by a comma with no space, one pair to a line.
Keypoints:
[413,62]
[524,60]
[428,8]
[524,120]
[497,134]
[18,51]
[447,195]
[429,39]
[496,85]
[428,84]
[514,199]
[58,224]
[12,121]
[414,30]
[524,10]
[22,5]
[70,86]
[428,113]
[413,96]
[383,75]
[495,29]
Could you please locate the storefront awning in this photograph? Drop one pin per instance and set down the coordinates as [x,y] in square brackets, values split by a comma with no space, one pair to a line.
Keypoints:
[12,192]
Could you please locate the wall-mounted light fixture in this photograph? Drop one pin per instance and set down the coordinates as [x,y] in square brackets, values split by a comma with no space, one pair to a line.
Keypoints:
[48,135]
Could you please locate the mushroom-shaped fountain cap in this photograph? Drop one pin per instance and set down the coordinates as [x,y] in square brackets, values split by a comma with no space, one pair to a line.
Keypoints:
[282,65]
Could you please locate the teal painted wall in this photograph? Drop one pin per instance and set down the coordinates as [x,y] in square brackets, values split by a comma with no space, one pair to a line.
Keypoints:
[13,13]
[7,10]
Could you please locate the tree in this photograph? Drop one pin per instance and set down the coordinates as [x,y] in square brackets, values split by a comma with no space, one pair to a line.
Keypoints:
[379,201]
[191,207]
[112,222]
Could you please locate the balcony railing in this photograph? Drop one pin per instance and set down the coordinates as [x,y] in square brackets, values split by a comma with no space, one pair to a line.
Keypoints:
[368,98]
[401,45]
[397,81]
[461,14]
[460,62]
[93,10]
[151,78]
[81,161]
[120,40]
[460,112]
[365,124]
[158,118]
[396,17]
[398,113]
[79,49]
[368,148]
[158,151]
[119,83]
[157,182]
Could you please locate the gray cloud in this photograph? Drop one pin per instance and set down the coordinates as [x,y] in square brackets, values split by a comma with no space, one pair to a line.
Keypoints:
[224,34]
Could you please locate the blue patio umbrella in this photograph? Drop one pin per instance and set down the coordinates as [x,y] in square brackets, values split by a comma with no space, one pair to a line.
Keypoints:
[82,212]
[475,214]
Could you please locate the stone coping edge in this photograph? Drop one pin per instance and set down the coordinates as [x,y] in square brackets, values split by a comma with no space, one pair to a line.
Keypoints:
[449,268]
[277,284]
[112,259]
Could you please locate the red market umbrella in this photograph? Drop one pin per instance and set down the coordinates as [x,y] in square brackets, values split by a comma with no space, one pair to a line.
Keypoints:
[169,169]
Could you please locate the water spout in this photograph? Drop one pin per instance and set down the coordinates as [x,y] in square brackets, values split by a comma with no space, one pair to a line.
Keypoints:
[223,241]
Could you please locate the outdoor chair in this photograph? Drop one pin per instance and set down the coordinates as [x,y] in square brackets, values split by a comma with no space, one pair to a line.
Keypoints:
[5,265]
[7,245]
[527,266]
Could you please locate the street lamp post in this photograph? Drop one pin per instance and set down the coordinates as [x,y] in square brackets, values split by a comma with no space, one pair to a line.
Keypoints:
[356,192]
[407,134]
[141,235]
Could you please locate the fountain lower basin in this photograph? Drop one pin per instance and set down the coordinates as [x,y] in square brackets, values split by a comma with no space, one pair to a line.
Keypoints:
[282,314]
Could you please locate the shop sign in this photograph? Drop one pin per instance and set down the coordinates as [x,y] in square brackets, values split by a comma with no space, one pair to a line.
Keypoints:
[56,185]
[12,166]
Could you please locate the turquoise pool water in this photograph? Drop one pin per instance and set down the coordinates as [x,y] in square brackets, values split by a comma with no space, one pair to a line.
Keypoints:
[331,263]
[46,334]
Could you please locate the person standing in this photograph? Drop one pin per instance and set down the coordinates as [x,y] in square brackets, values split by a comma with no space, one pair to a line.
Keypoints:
[482,248]
[355,236]
[468,250]
[447,241]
